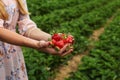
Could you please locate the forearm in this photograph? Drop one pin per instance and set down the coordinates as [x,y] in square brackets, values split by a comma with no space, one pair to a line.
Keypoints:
[16,39]
[37,34]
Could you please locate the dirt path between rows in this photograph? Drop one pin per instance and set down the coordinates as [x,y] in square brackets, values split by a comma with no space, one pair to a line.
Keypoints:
[72,64]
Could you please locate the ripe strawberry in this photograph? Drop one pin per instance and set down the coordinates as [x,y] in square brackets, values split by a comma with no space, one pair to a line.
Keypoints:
[69,39]
[60,44]
[56,37]
[59,40]
[54,41]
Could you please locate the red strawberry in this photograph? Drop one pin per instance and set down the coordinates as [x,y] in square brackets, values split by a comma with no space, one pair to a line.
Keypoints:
[60,44]
[69,39]
[60,39]
[65,41]
[56,37]
[54,41]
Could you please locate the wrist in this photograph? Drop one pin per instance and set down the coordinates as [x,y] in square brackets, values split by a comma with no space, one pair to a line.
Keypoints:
[36,44]
[31,43]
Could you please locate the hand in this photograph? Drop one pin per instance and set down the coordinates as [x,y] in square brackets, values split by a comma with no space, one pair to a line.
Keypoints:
[42,44]
[61,52]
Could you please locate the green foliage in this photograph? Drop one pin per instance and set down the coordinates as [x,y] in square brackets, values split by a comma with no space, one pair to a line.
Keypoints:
[43,7]
[79,18]
[56,18]
[38,64]
[103,61]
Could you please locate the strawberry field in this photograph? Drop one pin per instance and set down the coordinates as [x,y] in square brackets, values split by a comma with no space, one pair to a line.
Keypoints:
[79,18]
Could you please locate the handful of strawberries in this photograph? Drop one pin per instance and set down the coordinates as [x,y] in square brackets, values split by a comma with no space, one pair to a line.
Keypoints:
[59,40]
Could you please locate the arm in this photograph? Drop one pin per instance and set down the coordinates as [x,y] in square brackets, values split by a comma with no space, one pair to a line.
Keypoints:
[37,34]
[29,28]
[16,39]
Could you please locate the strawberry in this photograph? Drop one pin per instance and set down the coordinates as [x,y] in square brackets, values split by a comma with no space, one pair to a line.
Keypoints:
[60,39]
[60,44]
[56,37]
[69,39]
[54,41]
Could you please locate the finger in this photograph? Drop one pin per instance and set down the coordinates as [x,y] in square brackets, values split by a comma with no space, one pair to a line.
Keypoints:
[63,49]
[49,50]
[68,52]
[46,44]
[43,44]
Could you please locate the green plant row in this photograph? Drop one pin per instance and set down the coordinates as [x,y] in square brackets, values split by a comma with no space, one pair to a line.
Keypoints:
[103,61]
[41,66]
[83,27]
[54,19]
[82,31]
[79,30]
[45,7]
[93,19]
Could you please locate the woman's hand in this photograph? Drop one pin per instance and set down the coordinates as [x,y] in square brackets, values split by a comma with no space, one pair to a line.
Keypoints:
[62,52]
[42,44]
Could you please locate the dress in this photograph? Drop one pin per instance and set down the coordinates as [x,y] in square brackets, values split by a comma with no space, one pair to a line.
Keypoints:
[12,65]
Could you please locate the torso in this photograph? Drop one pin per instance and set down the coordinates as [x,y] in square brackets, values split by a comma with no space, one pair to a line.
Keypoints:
[12,65]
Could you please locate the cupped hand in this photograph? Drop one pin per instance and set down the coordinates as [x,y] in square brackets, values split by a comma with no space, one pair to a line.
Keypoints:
[62,52]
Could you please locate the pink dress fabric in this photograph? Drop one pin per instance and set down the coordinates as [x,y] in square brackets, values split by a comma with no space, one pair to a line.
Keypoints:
[12,65]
